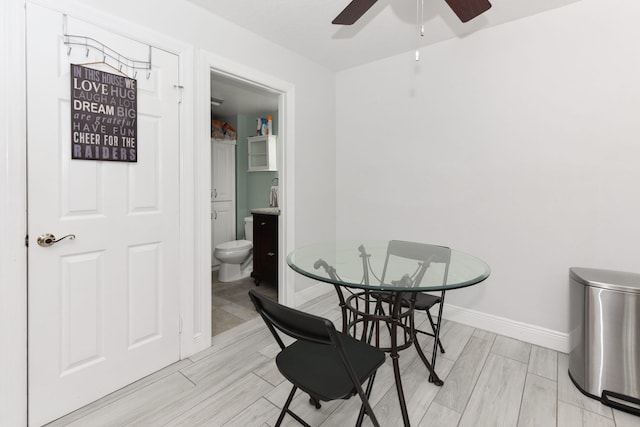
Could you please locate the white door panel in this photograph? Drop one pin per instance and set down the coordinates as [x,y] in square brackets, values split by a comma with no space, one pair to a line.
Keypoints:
[223,171]
[223,194]
[104,307]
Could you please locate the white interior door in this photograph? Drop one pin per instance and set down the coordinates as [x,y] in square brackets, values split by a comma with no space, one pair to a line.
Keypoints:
[103,308]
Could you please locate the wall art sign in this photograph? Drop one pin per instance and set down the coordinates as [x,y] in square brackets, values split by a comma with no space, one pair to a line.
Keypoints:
[104,111]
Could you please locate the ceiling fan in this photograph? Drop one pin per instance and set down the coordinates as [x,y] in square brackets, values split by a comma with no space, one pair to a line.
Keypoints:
[465,9]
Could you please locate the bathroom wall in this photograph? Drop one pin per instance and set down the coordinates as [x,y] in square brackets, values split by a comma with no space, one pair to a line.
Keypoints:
[252,188]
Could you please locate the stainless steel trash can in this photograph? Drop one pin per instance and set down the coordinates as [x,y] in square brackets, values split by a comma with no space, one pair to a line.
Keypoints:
[604,362]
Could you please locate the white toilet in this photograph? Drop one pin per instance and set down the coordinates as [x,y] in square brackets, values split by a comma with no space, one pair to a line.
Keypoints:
[236,256]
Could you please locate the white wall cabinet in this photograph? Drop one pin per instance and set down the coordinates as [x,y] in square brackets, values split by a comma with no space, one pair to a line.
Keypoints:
[262,153]
[223,194]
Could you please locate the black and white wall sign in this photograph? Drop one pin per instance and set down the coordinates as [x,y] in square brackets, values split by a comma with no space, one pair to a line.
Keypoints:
[103,116]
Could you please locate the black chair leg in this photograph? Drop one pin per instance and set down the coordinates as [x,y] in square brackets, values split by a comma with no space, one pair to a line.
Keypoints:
[286,410]
[315,402]
[366,406]
[435,328]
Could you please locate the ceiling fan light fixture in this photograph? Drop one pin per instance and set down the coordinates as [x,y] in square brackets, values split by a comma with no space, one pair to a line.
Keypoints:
[420,25]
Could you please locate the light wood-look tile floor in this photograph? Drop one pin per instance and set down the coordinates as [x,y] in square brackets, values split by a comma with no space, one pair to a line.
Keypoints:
[230,305]
[490,380]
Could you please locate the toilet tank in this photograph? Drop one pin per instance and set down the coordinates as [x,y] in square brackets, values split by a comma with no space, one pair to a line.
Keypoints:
[248,228]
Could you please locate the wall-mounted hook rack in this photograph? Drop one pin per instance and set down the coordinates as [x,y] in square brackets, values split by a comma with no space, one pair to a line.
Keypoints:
[108,54]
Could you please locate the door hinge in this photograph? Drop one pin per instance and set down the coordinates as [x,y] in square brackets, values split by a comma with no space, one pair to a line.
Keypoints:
[180,88]
[179,324]
[26,240]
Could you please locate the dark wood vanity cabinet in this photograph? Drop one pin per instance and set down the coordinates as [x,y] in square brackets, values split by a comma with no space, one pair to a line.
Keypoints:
[265,249]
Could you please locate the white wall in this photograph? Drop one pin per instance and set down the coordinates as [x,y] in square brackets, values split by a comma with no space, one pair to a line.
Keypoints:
[519,144]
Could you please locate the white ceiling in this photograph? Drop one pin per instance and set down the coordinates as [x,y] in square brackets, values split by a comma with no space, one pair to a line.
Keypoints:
[240,97]
[389,28]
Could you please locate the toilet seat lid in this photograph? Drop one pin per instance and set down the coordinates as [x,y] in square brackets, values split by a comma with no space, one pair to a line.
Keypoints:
[235,244]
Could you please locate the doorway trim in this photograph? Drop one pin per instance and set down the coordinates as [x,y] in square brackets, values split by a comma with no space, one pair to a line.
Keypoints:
[210,62]
[13,220]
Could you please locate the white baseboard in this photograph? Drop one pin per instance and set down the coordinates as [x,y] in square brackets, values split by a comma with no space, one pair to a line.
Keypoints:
[537,335]
[532,334]
[312,292]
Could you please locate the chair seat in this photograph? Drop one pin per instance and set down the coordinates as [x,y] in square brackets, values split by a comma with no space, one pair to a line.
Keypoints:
[319,365]
[426,301]
[423,301]
[322,362]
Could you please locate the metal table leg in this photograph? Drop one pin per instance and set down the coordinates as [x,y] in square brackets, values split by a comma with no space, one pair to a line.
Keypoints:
[395,319]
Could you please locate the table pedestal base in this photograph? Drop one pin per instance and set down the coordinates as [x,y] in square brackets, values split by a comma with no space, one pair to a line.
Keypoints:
[365,313]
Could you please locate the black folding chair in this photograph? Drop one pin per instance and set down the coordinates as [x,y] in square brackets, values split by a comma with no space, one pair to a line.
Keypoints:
[425,254]
[322,362]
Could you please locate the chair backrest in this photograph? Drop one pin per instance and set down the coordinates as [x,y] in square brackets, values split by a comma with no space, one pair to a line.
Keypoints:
[421,252]
[292,322]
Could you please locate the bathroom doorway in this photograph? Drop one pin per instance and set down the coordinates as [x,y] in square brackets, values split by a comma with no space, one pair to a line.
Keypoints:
[237,110]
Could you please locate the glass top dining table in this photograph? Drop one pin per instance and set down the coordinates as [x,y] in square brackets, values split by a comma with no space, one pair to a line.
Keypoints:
[388,273]
[388,265]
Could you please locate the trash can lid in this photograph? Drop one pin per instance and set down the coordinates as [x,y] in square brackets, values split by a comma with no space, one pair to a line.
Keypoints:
[606,279]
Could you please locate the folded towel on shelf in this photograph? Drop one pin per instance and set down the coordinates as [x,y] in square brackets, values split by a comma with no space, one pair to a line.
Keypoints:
[273,197]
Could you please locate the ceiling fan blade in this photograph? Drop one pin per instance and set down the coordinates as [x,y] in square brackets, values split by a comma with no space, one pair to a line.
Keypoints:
[468,9]
[353,12]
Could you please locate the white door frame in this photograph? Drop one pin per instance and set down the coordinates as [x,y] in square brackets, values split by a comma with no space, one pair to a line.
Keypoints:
[13,219]
[207,63]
